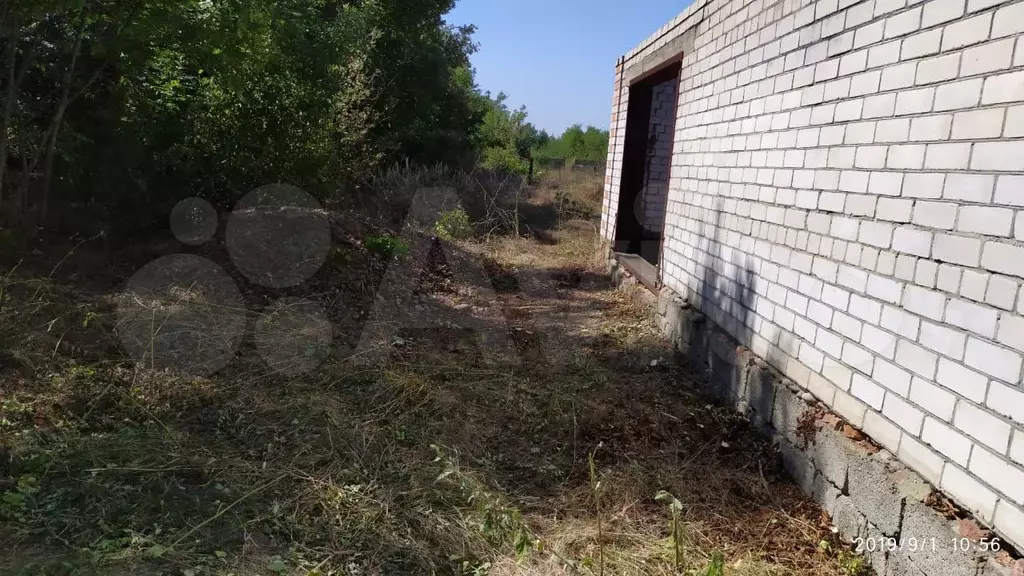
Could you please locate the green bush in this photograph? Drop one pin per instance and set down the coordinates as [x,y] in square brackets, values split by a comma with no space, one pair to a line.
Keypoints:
[453,225]
[387,247]
[503,160]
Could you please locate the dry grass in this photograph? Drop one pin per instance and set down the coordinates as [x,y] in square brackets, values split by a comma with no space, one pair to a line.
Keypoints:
[450,457]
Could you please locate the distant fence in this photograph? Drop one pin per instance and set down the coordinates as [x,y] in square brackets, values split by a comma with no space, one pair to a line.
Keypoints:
[592,166]
[560,164]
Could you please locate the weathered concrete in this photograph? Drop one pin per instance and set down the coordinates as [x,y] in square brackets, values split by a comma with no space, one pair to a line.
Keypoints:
[831,454]
[681,44]
[937,556]
[848,519]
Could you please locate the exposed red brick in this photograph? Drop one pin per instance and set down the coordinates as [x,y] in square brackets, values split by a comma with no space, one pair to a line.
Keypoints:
[969,529]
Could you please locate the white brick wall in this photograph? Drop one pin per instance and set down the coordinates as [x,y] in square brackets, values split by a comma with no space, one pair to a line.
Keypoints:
[654,197]
[863,169]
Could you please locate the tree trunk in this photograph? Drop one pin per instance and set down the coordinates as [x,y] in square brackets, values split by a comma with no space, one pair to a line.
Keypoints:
[19,205]
[14,81]
[8,110]
[12,91]
[51,154]
[58,118]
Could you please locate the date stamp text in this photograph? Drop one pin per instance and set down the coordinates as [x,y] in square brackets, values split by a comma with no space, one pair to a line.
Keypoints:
[888,544]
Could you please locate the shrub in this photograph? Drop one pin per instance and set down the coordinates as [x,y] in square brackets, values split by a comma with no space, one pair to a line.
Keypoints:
[453,225]
[387,247]
[503,160]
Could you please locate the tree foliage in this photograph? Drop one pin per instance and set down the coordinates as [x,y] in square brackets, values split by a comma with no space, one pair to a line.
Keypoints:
[505,138]
[124,106]
[112,110]
[577,144]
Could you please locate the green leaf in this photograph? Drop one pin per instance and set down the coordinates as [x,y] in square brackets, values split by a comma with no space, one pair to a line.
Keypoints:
[523,544]
[717,566]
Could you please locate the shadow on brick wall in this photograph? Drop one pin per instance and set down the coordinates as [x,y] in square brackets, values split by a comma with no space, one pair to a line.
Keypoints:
[728,287]
[728,296]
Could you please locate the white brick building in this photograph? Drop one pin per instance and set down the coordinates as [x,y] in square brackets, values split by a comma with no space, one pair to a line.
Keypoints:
[845,196]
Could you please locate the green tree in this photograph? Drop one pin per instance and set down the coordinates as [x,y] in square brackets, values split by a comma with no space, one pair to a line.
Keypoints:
[505,137]
[124,105]
[577,144]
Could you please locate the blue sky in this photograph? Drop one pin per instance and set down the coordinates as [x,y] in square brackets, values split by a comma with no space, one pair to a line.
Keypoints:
[558,56]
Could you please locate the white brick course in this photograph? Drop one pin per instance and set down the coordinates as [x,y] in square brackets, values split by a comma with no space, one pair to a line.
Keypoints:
[966,32]
[978,319]
[1003,88]
[907,156]
[935,214]
[968,187]
[962,380]
[957,249]
[985,220]
[970,491]
[935,399]
[1017,447]
[987,57]
[1002,291]
[943,340]
[920,185]
[941,11]
[1010,519]
[980,424]
[958,95]
[919,457]
[948,278]
[1014,120]
[904,414]
[975,124]
[916,101]
[930,127]
[1005,258]
[993,360]
[974,285]
[938,69]
[1011,331]
[882,430]
[1005,477]
[946,440]
[1010,190]
[1010,403]
[1008,20]
[952,156]
[867,391]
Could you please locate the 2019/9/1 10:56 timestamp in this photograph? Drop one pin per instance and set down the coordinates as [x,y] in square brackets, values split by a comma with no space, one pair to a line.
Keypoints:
[925,544]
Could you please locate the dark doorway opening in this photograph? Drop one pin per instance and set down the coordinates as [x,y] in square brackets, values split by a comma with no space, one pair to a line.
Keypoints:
[647,162]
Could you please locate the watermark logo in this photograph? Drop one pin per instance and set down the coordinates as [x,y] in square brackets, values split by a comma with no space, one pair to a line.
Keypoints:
[278,236]
[185,313]
[181,312]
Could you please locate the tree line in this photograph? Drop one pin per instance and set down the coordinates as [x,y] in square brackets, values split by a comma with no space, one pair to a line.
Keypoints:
[509,142]
[112,110]
[577,144]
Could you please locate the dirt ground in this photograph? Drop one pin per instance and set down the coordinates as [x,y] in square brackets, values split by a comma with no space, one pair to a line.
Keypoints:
[526,428]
